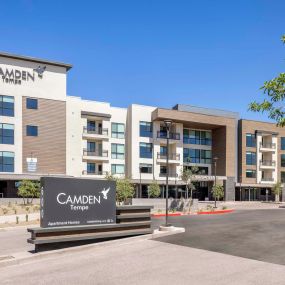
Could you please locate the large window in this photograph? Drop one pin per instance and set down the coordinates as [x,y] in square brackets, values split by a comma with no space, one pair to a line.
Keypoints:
[145,150]
[250,158]
[118,168]
[6,106]
[191,155]
[32,131]
[282,160]
[250,140]
[6,161]
[250,173]
[282,176]
[31,103]
[197,137]
[6,134]
[283,143]
[118,130]
[206,156]
[91,146]
[146,129]
[118,151]
[145,168]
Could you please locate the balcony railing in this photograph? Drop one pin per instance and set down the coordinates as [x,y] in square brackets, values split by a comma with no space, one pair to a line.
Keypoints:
[172,136]
[172,156]
[103,153]
[267,162]
[267,179]
[187,140]
[85,172]
[171,174]
[268,145]
[95,131]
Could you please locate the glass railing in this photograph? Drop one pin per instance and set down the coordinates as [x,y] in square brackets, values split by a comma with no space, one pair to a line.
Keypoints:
[187,140]
[96,131]
[172,136]
[172,156]
[103,153]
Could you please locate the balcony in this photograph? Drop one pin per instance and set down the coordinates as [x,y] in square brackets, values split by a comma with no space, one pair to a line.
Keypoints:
[267,163]
[174,158]
[172,136]
[95,155]
[267,146]
[100,173]
[270,179]
[98,133]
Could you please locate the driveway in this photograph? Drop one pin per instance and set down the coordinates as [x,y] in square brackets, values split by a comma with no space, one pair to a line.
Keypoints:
[254,234]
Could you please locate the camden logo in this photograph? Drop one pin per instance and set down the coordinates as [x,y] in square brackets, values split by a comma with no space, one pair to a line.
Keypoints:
[82,202]
[16,76]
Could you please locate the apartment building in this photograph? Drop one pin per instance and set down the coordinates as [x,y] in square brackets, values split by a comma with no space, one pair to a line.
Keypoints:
[261,159]
[46,132]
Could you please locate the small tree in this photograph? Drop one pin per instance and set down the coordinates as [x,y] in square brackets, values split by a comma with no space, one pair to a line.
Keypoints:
[124,190]
[277,189]
[154,190]
[187,177]
[218,192]
[29,189]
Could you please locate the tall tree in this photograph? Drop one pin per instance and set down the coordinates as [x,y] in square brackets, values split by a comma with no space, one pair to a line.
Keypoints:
[154,190]
[277,190]
[274,90]
[29,189]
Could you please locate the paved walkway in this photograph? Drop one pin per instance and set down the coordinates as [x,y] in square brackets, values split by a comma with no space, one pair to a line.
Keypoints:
[144,262]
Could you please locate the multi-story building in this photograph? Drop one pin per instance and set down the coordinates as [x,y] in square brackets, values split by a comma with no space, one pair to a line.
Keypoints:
[46,132]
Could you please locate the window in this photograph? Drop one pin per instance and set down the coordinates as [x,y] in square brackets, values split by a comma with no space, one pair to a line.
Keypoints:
[91,146]
[118,130]
[32,131]
[250,140]
[282,176]
[206,138]
[206,156]
[145,150]
[6,134]
[283,143]
[282,160]
[6,106]
[163,150]
[91,126]
[118,168]
[250,173]
[146,129]
[91,167]
[163,169]
[250,158]
[145,168]
[191,155]
[6,161]
[31,103]
[118,151]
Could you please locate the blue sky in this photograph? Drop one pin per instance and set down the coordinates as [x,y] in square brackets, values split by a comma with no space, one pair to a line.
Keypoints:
[205,53]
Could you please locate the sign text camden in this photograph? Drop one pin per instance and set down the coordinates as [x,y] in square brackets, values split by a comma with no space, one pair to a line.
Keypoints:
[73,202]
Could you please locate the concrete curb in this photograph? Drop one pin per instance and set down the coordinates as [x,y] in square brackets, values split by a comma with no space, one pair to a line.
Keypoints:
[25,257]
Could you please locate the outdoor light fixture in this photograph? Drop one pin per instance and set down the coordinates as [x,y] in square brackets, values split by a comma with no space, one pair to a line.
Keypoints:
[215,159]
[168,124]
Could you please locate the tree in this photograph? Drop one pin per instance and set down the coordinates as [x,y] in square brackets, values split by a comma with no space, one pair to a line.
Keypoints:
[154,190]
[277,189]
[218,192]
[29,189]
[187,177]
[124,189]
[274,89]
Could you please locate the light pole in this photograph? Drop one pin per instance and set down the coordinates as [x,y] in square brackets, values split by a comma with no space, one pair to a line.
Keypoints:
[168,124]
[215,159]
[140,182]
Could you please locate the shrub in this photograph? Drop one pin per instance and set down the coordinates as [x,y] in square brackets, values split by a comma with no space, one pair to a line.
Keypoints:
[5,211]
[224,207]
[29,189]
[154,190]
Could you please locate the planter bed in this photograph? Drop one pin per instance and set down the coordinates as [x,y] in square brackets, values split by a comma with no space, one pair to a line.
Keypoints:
[215,212]
[198,213]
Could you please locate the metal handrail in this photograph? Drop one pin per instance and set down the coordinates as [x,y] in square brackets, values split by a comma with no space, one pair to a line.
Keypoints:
[172,136]
[85,172]
[172,156]
[267,179]
[267,162]
[171,174]
[187,140]
[268,145]
[95,131]
[103,153]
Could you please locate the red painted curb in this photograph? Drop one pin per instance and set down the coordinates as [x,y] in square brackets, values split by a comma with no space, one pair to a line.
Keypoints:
[215,212]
